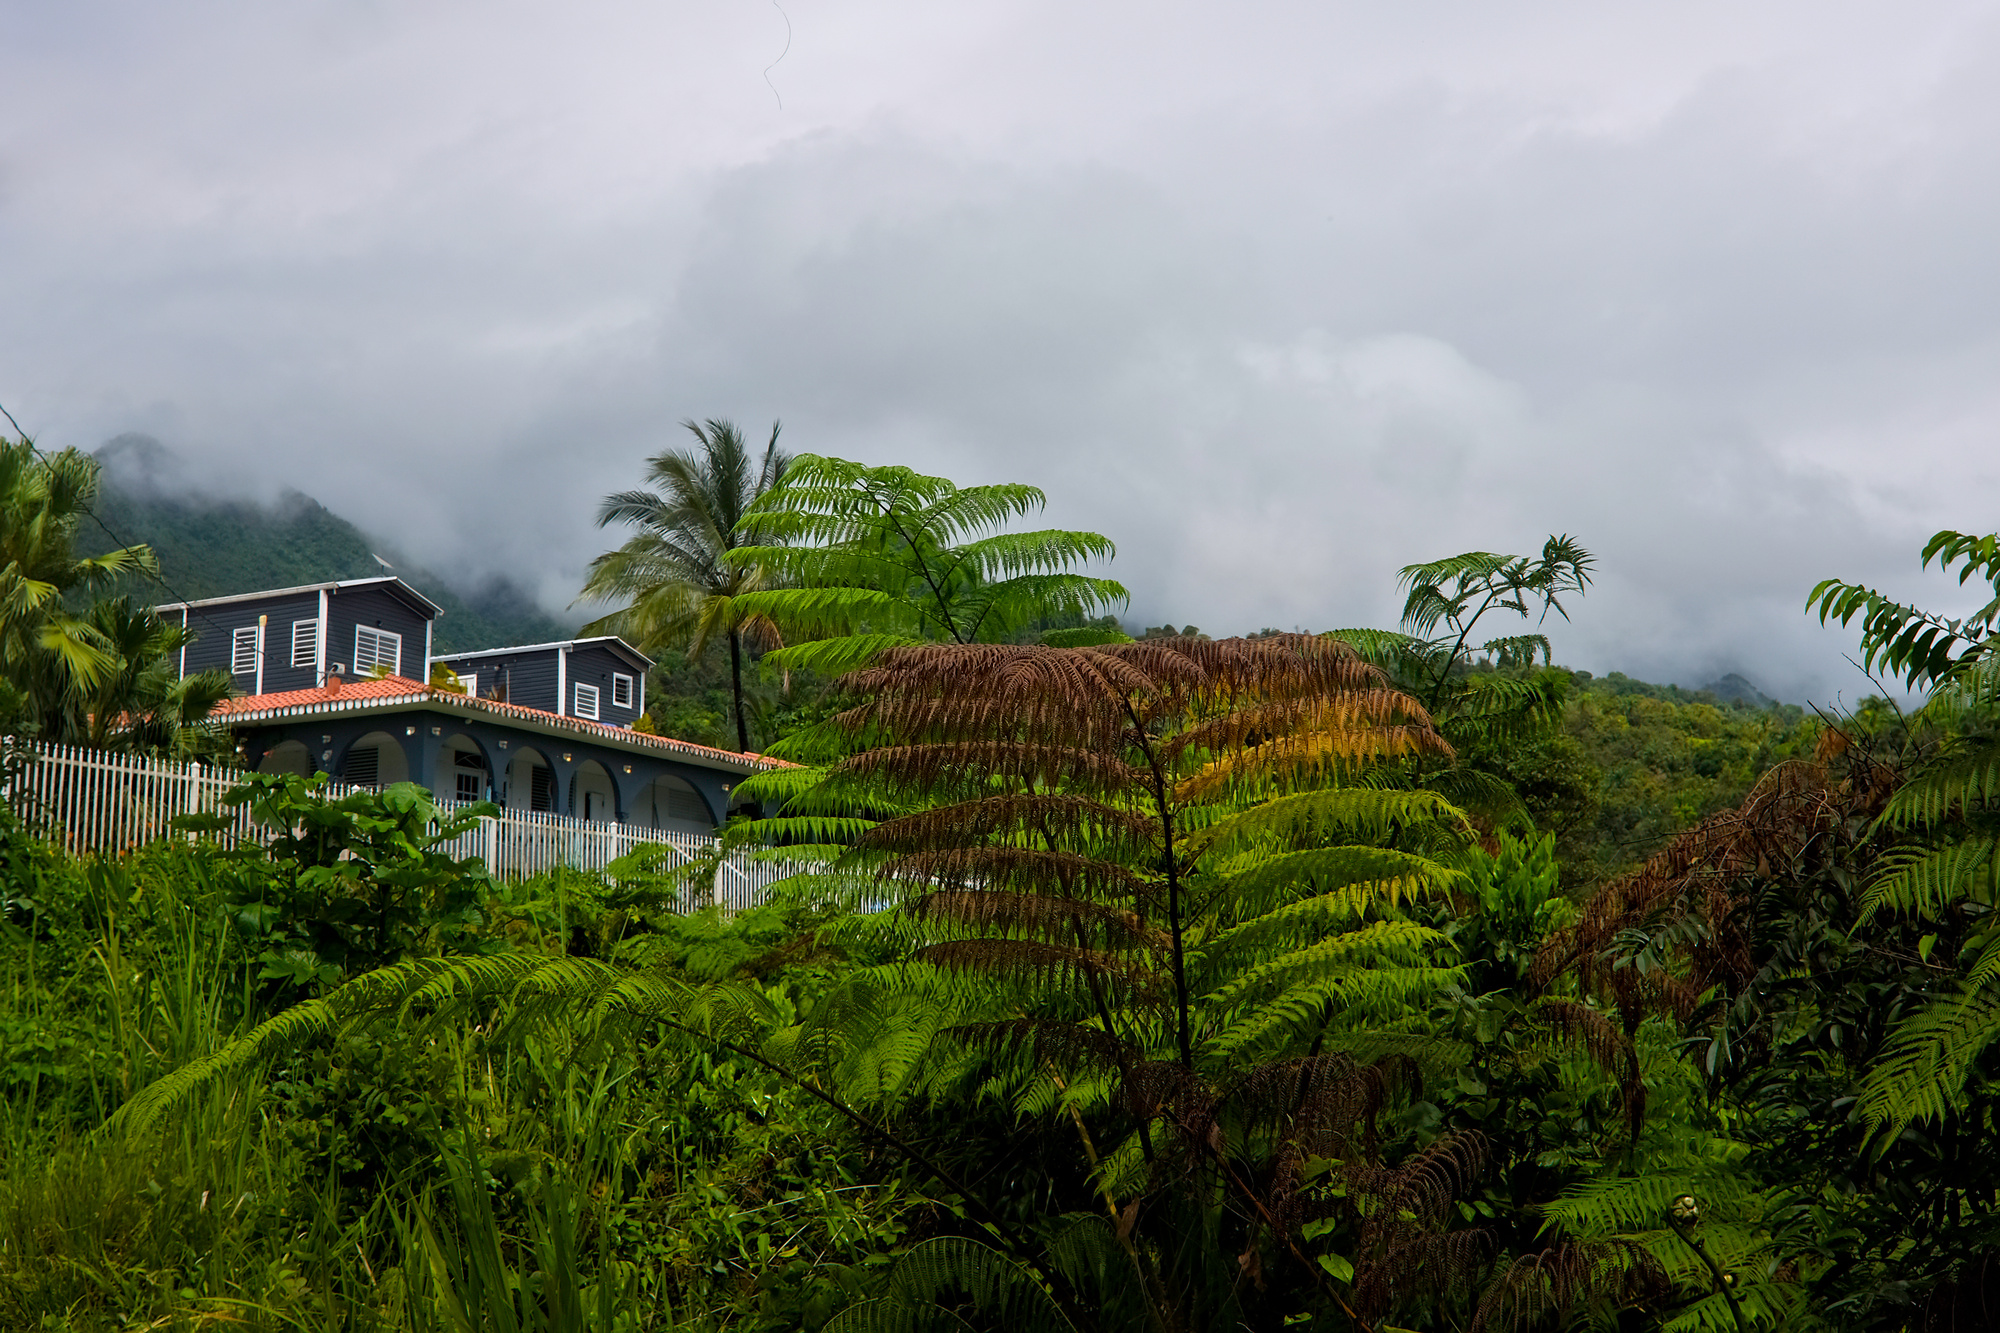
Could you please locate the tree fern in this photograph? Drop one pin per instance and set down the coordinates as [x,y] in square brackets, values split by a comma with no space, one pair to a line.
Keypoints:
[926,1282]
[882,557]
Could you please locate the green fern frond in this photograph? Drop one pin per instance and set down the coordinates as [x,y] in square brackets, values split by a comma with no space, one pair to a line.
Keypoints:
[955,1268]
[1340,880]
[1353,814]
[1639,1203]
[1304,1009]
[1924,882]
[1395,941]
[1947,791]
[1923,1070]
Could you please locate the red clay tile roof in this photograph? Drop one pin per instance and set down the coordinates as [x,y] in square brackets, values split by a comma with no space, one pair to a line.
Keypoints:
[368,687]
[379,690]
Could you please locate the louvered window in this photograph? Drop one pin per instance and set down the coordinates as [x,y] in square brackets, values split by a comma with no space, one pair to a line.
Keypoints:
[621,691]
[305,643]
[586,702]
[541,789]
[243,652]
[679,805]
[364,766]
[377,647]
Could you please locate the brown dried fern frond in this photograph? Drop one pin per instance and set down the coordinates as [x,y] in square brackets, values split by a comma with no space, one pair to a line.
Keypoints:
[1551,1287]
[924,769]
[1421,1190]
[1607,1045]
[1704,875]
[1403,1252]
[1068,1046]
[1041,963]
[1315,1101]
[1039,870]
[1422,1269]
[1061,920]
[1157,1085]
[1073,823]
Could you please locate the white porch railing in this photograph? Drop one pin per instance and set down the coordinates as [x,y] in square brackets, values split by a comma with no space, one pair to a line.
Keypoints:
[91,802]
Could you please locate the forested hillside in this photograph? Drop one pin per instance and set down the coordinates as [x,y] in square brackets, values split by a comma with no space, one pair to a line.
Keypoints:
[210,547]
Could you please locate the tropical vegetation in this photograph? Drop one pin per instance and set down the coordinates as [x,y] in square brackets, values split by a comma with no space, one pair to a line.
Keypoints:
[1378,979]
[73,670]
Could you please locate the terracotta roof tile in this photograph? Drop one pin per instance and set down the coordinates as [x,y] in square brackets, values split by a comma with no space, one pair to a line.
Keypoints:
[381,689]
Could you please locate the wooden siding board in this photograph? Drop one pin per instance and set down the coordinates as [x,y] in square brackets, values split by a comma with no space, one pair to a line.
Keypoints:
[215,626]
[594,665]
[375,608]
[530,677]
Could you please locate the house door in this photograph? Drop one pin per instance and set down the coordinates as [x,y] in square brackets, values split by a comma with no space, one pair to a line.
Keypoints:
[593,805]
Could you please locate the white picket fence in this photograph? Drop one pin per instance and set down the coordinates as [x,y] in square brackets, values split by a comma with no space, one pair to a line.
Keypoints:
[91,802]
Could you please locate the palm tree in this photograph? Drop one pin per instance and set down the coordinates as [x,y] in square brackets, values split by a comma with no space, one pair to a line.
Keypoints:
[677,587]
[46,649]
[143,705]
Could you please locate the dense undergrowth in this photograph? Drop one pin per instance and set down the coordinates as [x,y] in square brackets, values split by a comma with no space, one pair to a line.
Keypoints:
[764,1142]
[429,1177]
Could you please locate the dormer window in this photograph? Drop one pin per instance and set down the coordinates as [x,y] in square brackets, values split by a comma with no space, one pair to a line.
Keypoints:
[586,702]
[621,691]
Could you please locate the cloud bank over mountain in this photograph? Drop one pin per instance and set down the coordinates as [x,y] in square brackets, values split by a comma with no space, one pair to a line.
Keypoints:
[1281,297]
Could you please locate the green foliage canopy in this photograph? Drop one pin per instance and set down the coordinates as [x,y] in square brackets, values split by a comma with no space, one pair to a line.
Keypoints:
[876,557]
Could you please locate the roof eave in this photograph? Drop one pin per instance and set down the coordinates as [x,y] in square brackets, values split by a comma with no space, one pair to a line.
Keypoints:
[454,705]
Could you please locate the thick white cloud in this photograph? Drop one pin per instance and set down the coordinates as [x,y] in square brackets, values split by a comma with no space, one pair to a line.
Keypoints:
[1280,296]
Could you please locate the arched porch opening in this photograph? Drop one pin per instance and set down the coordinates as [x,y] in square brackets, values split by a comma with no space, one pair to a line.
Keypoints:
[465,770]
[376,760]
[671,803]
[592,794]
[287,757]
[531,782]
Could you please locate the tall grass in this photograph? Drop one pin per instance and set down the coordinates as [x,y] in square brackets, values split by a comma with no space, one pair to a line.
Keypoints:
[390,1182]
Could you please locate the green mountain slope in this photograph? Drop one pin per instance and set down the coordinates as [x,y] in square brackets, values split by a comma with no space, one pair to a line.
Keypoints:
[214,547]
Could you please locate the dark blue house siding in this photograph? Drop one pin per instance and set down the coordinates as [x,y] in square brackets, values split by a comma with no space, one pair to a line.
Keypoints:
[216,626]
[529,678]
[374,608]
[595,664]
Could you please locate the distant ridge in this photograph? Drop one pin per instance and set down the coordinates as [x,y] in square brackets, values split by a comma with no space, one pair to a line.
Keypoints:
[212,546]
[1733,688]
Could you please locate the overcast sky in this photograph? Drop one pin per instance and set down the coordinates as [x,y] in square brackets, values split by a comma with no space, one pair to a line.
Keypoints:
[1279,296]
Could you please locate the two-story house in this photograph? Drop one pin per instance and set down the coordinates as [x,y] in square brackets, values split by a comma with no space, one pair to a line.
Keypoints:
[336,678]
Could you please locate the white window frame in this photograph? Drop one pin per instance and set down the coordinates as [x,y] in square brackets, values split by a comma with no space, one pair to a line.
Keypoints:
[305,643]
[621,691]
[366,662]
[243,649]
[587,711]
